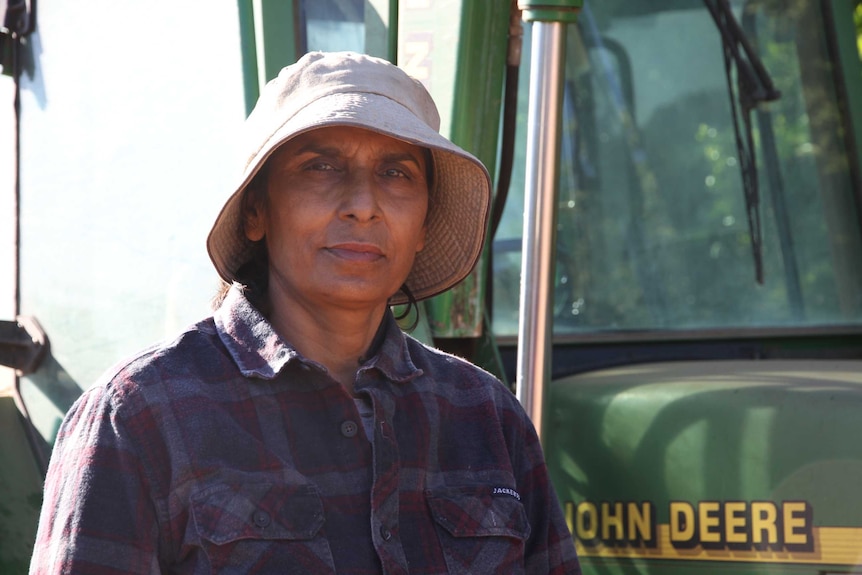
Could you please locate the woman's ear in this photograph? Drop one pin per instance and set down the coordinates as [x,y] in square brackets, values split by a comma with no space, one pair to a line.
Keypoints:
[253,208]
[253,224]
[420,245]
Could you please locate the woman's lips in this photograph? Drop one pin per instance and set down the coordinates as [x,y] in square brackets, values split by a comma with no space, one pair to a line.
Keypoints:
[355,251]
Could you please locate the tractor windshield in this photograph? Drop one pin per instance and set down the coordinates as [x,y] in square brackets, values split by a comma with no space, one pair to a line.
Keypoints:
[666,219]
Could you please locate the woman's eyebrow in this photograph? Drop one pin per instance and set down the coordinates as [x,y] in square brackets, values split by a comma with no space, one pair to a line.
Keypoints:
[402,157]
[316,148]
[326,150]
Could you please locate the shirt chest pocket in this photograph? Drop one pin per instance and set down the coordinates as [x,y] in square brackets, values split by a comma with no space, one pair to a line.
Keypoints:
[252,526]
[480,532]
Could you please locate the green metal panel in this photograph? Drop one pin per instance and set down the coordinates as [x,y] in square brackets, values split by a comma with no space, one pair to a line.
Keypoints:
[20,491]
[278,23]
[762,459]
[480,67]
[479,78]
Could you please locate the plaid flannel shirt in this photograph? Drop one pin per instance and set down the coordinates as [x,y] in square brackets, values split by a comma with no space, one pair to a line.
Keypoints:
[227,451]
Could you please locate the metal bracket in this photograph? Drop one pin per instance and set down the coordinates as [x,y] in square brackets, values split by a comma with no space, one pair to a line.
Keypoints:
[17,17]
[23,344]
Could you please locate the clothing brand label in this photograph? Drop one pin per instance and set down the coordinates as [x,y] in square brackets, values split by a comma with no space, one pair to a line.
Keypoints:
[506,491]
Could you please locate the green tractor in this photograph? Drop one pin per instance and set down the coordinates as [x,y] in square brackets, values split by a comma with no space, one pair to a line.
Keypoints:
[672,283]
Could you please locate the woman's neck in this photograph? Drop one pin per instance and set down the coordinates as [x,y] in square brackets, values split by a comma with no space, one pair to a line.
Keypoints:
[334,337]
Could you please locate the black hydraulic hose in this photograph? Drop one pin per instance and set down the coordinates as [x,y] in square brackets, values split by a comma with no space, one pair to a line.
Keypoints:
[15,47]
[32,434]
[507,146]
[510,116]
[15,39]
[507,143]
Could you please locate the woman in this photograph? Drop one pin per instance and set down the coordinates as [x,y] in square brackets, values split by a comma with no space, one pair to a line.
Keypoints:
[298,430]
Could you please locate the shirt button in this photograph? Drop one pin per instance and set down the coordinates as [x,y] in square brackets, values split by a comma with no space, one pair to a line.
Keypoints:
[261,518]
[385,533]
[349,428]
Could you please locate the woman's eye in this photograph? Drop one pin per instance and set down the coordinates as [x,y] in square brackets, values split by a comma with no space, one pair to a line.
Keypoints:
[394,173]
[319,166]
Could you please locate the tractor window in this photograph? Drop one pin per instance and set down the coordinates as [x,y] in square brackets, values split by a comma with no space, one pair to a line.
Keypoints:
[336,25]
[653,223]
[333,26]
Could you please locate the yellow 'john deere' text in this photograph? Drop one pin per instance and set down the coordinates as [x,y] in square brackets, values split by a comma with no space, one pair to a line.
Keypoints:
[741,525]
[613,523]
[738,525]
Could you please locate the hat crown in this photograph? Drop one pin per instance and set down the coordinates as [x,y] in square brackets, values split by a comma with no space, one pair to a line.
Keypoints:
[320,74]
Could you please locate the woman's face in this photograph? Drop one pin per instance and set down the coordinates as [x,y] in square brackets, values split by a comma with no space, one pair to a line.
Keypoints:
[344,217]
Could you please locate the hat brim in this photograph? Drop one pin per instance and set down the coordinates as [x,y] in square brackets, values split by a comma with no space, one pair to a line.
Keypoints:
[458,203]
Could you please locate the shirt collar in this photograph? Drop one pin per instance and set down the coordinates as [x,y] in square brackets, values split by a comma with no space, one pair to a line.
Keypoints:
[250,339]
[259,351]
[393,355]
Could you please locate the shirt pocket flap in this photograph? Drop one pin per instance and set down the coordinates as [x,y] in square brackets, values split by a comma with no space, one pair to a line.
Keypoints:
[476,512]
[225,513]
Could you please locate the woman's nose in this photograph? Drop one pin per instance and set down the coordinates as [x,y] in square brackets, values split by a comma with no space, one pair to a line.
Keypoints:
[359,197]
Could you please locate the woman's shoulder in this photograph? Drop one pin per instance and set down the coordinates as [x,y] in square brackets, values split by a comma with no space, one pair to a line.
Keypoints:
[424,355]
[192,356]
[456,373]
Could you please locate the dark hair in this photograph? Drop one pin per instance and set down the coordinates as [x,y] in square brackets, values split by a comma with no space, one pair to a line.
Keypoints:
[253,275]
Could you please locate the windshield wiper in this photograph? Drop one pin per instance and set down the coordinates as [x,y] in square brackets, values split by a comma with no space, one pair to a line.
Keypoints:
[753,86]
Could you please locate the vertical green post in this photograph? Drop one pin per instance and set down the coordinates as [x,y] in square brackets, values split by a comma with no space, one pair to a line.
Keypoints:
[392,33]
[251,88]
[268,40]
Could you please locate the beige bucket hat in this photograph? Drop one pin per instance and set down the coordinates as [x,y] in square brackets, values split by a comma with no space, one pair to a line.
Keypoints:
[348,89]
